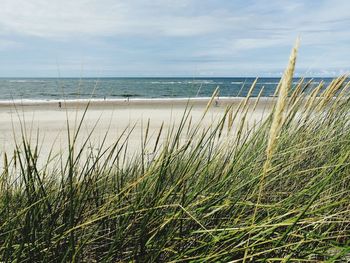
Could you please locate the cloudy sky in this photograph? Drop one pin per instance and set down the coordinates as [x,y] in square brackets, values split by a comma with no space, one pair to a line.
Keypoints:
[102,38]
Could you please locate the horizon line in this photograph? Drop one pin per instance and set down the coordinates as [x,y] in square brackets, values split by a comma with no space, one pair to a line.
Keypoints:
[161,77]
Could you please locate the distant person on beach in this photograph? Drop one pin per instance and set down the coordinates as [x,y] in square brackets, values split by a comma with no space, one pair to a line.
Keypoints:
[217,101]
[59,104]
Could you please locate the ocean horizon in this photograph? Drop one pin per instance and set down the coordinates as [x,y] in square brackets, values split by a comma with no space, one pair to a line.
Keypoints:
[55,89]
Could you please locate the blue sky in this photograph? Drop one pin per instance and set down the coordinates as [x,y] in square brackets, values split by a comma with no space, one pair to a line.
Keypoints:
[106,38]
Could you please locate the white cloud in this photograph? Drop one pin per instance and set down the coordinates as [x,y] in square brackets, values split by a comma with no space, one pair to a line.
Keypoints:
[58,18]
[66,18]
[215,35]
[249,24]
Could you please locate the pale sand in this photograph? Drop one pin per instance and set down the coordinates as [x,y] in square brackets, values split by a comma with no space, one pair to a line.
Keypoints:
[110,117]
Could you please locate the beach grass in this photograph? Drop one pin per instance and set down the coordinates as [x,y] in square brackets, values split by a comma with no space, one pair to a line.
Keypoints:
[277,191]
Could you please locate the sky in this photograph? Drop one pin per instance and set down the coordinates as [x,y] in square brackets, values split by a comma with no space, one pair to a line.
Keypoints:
[172,38]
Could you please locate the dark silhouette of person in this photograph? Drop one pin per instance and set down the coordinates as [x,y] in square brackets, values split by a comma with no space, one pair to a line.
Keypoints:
[59,104]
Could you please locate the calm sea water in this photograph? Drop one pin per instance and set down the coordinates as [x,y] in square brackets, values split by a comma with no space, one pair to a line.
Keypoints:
[118,88]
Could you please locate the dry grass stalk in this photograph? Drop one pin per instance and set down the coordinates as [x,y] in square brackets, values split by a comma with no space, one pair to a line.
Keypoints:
[276,125]
[232,117]
[278,115]
[5,174]
[230,120]
[298,91]
[331,90]
[258,98]
[311,100]
[215,94]
[344,91]
[250,92]
[242,107]
[245,109]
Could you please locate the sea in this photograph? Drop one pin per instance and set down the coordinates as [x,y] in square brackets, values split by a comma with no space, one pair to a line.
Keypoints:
[55,89]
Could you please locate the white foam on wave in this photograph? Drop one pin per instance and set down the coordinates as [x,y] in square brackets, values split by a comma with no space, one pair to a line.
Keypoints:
[166,82]
[26,81]
[268,83]
[187,82]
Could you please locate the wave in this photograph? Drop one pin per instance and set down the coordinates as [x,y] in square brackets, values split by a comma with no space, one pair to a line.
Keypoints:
[276,83]
[203,82]
[186,82]
[25,81]
[268,83]
[125,95]
[166,82]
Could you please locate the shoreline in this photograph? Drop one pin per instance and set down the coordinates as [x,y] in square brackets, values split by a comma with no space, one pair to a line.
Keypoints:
[129,102]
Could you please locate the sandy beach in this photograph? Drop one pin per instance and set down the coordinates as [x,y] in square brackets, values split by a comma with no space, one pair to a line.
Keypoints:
[110,117]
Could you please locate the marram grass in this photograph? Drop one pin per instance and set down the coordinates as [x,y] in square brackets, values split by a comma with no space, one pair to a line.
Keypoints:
[195,200]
